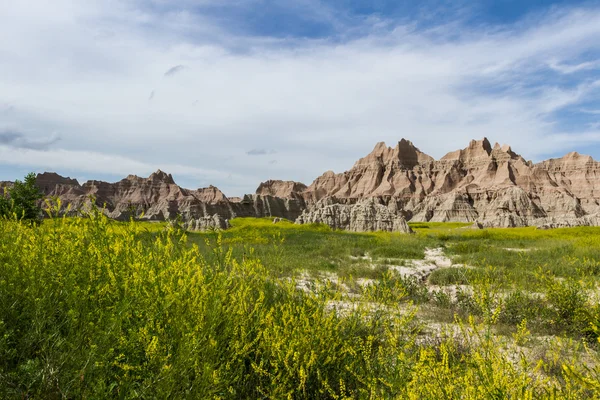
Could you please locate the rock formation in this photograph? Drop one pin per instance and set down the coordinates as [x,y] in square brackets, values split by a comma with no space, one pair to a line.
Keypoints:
[207,223]
[489,184]
[281,189]
[555,222]
[365,216]
[158,197]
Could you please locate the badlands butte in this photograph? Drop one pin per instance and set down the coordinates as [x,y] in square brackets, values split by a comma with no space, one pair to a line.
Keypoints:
[490,186]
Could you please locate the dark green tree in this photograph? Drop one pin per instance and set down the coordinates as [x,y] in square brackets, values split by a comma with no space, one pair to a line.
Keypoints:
[23,199]
[5,203]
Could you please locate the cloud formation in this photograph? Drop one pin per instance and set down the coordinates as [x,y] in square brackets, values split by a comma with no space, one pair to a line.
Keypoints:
[571,68]
[321,101]
[107,164]
[174,70]
[260,152]
[20,141]
[593,112]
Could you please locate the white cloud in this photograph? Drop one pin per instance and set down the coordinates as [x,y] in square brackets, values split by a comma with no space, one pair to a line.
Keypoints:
[99,163]
[569,68]
[86,69]
[587,111]
[19,140]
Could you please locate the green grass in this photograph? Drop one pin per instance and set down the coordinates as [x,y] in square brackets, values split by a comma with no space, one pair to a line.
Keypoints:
[562,253]
[501,261]
[451,276]
[437,226]
[91,308]
[286,247]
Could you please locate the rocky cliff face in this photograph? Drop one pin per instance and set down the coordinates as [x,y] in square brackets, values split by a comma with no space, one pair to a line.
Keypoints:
[158,197]
[281,189]
[492,185]
[367,215]
[214,222]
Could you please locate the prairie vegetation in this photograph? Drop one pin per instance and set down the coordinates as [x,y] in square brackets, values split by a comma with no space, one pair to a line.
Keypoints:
[92,308]
[20,200]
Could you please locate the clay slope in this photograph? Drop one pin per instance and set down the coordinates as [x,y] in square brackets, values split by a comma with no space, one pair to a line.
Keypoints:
[490,184]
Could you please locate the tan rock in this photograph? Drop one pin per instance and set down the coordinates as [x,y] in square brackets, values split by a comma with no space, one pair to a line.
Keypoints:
[158,197]
[214,222]
[211,195]
[551,223]
[281,189]
[485,183]
[365,216]
[494,185]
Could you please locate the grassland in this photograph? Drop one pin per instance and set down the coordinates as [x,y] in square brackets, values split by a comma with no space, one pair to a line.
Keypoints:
[92,308]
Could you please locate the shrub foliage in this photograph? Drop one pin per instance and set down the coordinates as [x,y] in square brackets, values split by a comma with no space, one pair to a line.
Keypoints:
[90,308]
[22,200]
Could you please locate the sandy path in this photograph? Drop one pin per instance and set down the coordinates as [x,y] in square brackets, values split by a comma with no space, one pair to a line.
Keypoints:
[421,269]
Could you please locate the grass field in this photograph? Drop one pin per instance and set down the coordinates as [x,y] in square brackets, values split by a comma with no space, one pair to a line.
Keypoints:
[92,308]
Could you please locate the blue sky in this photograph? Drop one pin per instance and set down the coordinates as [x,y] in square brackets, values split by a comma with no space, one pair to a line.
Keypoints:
[235,92]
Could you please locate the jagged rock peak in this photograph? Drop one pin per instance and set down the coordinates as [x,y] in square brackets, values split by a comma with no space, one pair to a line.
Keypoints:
[494,186]
[505,148]
[210,195]
[52,178]
[160,176]
[575,156]
[484,143]
[380,147]
[409,155]
[572,160]
[380,153]
[405,153]
[279,188]
[476,149]
[505,152]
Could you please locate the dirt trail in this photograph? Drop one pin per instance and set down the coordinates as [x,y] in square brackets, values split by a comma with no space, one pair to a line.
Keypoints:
[421,269]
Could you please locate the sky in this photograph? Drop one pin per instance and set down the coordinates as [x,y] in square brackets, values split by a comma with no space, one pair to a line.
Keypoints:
[235,92]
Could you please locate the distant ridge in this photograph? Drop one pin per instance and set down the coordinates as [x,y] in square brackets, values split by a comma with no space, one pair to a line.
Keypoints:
[492,185]
[485,183]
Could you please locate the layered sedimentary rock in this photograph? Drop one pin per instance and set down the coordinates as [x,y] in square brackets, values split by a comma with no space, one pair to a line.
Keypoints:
[214,222]
[557,222]
[490,184]
[281,189]
[158,197]
[365,216]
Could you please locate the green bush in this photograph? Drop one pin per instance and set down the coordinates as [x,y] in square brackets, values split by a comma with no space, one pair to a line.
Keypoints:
[450,276]
[91,308]
[568,302]
[518,306]
[22,200]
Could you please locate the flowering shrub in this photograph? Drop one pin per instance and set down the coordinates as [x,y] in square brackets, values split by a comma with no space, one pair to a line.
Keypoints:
[91,308]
